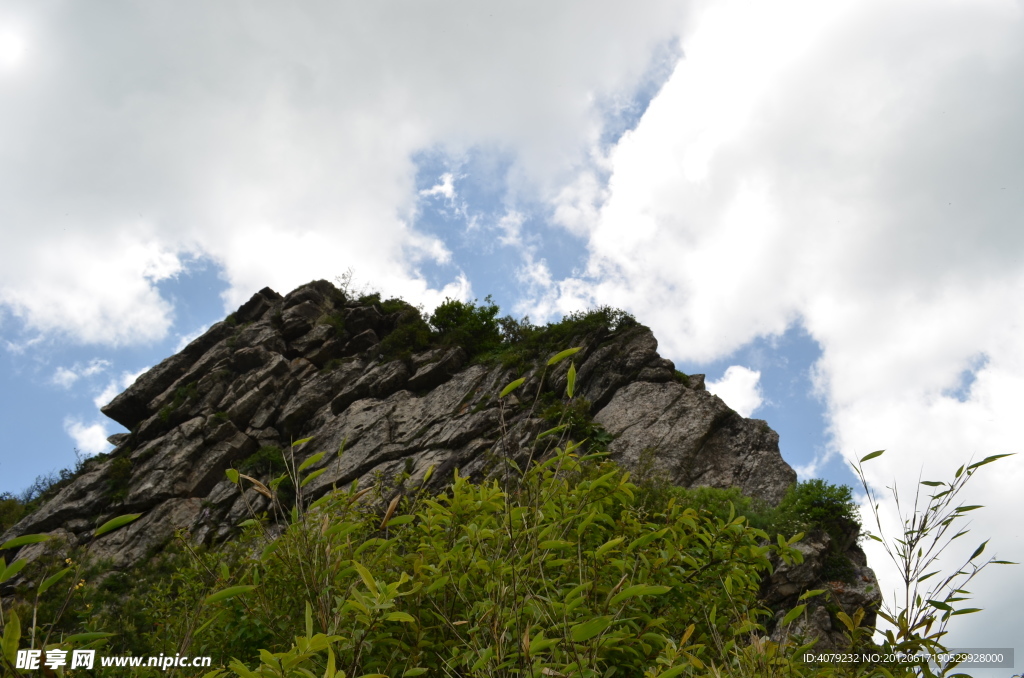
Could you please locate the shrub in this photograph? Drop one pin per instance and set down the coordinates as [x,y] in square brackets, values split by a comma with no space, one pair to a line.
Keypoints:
[465,324]
[119,473]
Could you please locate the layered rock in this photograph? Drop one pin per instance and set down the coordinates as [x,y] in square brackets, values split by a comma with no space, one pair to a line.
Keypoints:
[311,364]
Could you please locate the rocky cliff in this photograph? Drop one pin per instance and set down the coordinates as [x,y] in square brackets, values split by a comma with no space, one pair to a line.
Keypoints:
[317,364]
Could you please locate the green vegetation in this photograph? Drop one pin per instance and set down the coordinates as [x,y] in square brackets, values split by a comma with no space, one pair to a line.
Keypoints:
[268,460]
[562,567]
[182,394]
[119,472]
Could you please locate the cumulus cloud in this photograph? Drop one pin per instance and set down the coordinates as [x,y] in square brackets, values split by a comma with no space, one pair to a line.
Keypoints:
[89,438]
[281,144]
[115,386]
[788,173]
[65,377]
[740,388]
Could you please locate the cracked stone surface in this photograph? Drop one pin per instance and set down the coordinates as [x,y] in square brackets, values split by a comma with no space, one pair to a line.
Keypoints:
[309,364]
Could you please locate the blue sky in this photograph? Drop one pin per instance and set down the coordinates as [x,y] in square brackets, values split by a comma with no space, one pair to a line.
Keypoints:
[816,204]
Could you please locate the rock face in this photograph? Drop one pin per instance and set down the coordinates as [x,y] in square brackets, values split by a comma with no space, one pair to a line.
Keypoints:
[311,364]
[782,589]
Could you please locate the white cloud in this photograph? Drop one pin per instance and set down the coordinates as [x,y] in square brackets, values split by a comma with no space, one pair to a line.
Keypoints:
[90,439]
[65,377]
[740,388]
[446,188]
[281,144]
[187,339]
[856,168]
[115,386]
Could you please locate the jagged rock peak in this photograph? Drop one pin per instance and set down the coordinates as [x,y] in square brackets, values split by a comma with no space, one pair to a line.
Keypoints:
[357,372]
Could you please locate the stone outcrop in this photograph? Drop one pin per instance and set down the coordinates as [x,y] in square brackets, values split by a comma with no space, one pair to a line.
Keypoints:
[781,591]
[312,364]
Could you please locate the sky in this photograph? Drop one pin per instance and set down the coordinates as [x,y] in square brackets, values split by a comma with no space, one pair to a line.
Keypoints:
[818,205]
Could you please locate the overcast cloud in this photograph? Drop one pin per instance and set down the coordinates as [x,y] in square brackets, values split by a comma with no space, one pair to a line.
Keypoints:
[854,168]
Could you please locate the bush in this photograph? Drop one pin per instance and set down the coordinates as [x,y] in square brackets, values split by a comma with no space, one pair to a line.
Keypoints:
[465,324]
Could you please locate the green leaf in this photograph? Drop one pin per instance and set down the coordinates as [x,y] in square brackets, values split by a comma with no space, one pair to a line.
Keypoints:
[639,590]
[87,637]
[867,457]
[13,569]
[12,636]
[414,672]
[965,509]
[938,604]
[229,592]
[24,539]
[932,483]
[367,578]
[556,544]
[559,357]
[301,442]
[312,460]
[977,552]
[551,431]
[987,460]
[794,613]
[312,476]
[589,629]
[811,593]
[511,387]
[570,386]
[437,584]
[967,610]
[50,581]
[309,620]
[400,617]
[115,523]
[232,475]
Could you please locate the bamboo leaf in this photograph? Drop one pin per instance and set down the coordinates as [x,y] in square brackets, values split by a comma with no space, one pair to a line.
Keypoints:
[229,592]
[301,442]
[511,387]
[367,578]
[24,539]
[12,636]
[811,593]
[232,475]
[939,605]
[559,357]
[977,551]
[551,431]
[932,483]
[115,523]
[50,581]
[868,457]
[639,590]
[13,569]
[390,512]
[400,617]
[570,386]
[793,614]
[987,460]
[258,486]
[312,460]
[589,629]
[312,476]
